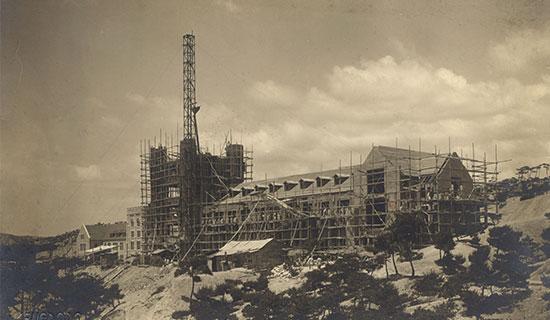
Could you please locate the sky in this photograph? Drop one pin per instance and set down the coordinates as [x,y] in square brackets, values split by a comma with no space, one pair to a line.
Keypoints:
[305,84]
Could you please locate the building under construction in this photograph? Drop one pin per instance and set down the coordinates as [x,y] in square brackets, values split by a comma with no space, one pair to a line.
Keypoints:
[208,200]
[349,206]
[178,180]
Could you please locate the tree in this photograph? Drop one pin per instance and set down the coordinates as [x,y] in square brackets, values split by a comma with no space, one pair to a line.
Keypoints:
[479,271]
[342,290]
[511,270]
[451,263]
[385,245]
[53,287]
[430,284]
[504,238]
[374,263]
[193,266]
[212,303]
[404,229]
[507,269]
[522,171]
[444,242]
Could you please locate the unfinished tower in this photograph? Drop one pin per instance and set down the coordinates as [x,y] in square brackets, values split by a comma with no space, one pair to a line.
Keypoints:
[178,180]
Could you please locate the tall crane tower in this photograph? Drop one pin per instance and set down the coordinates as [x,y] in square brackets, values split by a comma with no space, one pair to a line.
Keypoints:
[191,186]
[190,107]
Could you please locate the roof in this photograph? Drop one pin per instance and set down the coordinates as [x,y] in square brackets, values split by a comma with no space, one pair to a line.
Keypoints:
[407,160]
[159,251]
[106,231]
[98,249]
[308,188]
[238,247]
[425,162]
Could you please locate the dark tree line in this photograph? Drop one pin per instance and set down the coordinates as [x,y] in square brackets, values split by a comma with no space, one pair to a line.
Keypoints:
[53,288]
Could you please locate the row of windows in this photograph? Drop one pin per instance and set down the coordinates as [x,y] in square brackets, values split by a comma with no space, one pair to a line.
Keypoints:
[137,246]
[133,245]
[120,244]
[138,232]
[138,222]
[338,179]
[305,206]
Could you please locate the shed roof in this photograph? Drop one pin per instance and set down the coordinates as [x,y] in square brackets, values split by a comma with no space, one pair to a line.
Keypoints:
[238,247]
[99,249]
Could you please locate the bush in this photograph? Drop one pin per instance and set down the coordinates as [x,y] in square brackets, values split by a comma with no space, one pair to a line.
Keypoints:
[475,240]
[453,286]
[258,285]
[451,264]
[429,285]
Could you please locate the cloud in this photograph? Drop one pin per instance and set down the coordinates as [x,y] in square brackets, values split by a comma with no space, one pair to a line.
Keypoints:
[91,172]
[379,100]
[522,48]
[374,102]
[272,93]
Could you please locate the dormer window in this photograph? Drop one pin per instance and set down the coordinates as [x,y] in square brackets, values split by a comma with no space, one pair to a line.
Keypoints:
[260,188]
[288,185]
[322,181]
[274,187]
[304,183]
[340,178]
[234,192]
[246,190]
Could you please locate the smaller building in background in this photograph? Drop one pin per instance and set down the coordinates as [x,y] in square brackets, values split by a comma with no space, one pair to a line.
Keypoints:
[134,232]
[112,235]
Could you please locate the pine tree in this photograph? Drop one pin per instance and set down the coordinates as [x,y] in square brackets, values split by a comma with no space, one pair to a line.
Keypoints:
[445,243]
[404,230]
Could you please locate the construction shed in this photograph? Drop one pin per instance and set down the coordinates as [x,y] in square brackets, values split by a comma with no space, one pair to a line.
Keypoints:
[253,254]
[105,255]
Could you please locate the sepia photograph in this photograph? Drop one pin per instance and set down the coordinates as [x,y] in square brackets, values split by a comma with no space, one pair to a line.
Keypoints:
[292,159]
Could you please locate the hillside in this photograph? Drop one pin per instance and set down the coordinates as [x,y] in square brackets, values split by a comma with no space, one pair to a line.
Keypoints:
[152,292]
[527,215]
[7,239]
[155,293]
[18,248]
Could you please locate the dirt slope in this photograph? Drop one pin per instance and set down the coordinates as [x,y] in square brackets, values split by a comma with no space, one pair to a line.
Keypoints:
[527,215]
[154,292]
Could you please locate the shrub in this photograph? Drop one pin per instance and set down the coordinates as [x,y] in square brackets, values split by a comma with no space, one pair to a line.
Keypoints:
[475,240]
[453,286]
[451,264]
[429,285]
